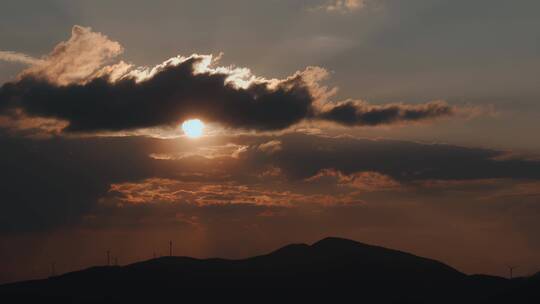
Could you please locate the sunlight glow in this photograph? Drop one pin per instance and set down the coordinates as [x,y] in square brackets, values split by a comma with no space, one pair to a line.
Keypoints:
[193,128]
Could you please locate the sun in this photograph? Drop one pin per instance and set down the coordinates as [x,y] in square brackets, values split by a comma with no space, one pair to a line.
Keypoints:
[193,128]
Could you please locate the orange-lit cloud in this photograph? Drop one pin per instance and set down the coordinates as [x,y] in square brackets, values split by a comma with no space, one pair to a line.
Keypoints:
[209,152]
[365,181]
[270,147]
[75,60]
[20,58]
[159,191]
[18,123]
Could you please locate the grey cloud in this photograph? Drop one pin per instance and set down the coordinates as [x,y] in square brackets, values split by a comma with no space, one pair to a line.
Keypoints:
[363,114]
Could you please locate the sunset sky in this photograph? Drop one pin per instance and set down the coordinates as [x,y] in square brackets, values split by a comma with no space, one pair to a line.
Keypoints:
[235,127]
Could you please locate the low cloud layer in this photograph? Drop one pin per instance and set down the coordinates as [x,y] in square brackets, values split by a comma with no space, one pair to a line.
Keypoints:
[74,84]
[65,179]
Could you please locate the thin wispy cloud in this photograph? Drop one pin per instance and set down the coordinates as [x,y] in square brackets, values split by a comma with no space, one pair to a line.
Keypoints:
[19,58]
[343,6]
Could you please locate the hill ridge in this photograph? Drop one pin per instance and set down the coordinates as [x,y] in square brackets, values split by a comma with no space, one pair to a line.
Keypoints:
[332,264]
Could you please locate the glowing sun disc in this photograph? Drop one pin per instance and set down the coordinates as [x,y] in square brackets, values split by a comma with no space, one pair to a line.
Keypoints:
[193,128]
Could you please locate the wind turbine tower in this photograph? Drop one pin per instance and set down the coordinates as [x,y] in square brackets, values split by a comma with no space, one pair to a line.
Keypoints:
[511,270]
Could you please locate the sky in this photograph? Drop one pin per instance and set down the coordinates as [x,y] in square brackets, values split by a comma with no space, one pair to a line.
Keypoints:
[407,124]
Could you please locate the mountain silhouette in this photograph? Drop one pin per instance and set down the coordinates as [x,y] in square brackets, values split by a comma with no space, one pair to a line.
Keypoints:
[333,269]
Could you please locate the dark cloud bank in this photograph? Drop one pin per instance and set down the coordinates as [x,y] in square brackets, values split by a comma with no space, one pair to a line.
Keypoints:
[177,92]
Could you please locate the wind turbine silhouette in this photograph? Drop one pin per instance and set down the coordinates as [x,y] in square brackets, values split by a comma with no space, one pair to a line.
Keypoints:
[511,270]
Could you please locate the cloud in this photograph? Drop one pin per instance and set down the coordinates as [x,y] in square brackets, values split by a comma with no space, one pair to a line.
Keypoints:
[364,181]
[209,152]
[73,84]
[57,181]
[79,59]
[17,123]
[359,113]
[402,161]
[203,194]
[53,182]
[270,147]
[75,60]
[153,191]
[172,94]
[344,5]
[19,57]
